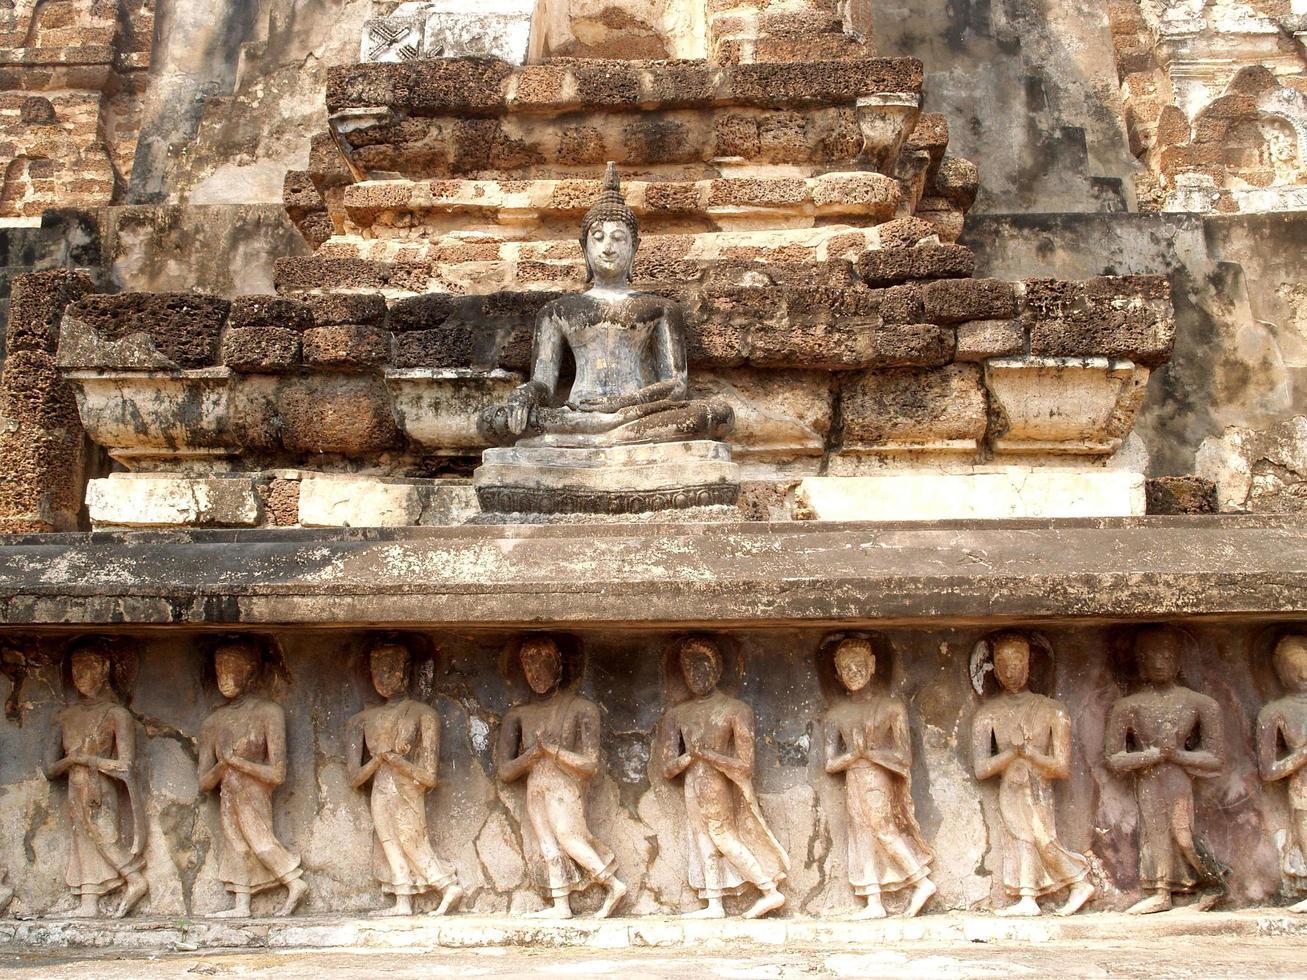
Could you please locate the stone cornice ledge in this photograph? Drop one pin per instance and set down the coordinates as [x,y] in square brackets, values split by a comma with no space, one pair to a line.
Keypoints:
[664,575]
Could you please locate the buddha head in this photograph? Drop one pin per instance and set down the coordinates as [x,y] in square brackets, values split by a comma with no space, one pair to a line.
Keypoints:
[541,663]
[701,665]
[1291,662]
[855,663]
[1011,660]
[610,235]
[1158,652]
[389,662]
[90,664]
[236,662]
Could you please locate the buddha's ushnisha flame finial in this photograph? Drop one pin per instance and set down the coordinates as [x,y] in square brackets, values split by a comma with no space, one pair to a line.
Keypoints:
[610,206]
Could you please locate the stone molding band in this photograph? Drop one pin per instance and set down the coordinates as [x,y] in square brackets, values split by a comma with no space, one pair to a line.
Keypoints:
[537,500]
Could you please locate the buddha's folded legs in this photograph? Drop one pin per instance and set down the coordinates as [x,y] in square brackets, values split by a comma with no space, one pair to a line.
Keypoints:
[666,421]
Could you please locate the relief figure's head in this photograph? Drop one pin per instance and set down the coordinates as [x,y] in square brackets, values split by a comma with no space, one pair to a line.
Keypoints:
[701,665]
[389,662]
[1291,662]
[90,664]
[1012,660]
[855,663]
[235,664]
[542,663]
[1158,652]
[610,234]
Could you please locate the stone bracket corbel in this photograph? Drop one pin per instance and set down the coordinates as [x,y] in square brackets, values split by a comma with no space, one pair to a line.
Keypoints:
[347,121]
[885,119]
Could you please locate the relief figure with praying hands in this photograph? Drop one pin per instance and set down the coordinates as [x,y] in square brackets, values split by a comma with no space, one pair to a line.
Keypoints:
[400,740]
[552,741]
[709,740]
[867,739]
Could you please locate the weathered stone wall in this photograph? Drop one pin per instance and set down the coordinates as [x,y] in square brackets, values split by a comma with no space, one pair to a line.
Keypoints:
[1232,404]
[475,821]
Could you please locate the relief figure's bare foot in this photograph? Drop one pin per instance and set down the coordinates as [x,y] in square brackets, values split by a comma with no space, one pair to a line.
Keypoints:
[713,910]
[770,902]
[1300,908]
[1207,901]
[1159,902]
[295,892]
[559,910]
[87,910]
[236,912]
[1027,908]
[137,886]
[1081,892]
[873,910]
[403,906]
[616,892]
[920,896]
[451,897]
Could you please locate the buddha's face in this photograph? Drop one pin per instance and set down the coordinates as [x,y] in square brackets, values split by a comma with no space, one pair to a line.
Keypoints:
[389,664]
[1159,656]
[1012,662]
[542,664]
[701,666]
[610,249]
[90,670]
[234,665]
[1291,662]
[855,664]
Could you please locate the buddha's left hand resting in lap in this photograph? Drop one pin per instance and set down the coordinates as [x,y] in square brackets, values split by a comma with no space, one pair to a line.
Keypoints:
[629,349]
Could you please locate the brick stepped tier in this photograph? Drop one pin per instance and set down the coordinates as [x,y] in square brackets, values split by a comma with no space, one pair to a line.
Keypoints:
[417,147]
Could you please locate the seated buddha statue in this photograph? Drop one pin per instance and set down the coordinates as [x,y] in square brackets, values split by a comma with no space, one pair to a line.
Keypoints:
[630,385]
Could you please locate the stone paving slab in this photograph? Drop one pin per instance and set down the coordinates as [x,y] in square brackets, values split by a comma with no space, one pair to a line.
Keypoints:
[480,932]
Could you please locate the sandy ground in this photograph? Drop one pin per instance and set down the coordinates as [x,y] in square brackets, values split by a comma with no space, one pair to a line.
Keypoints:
[1211,956]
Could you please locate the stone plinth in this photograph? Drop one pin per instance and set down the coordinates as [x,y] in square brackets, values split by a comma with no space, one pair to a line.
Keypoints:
[610,480]
[664,932]
[993,493]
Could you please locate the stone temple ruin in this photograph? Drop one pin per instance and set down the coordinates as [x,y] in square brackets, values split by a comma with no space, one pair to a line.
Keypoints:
[802,459]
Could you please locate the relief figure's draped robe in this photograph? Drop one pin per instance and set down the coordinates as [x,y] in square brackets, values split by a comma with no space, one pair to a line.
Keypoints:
[1026,799]
[570,856]
[252,858]
[399,811]
[886,849]
[98,860]
[731,845]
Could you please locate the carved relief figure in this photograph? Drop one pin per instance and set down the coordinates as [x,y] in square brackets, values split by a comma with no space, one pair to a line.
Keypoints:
[629,349]
[710,740]
[1167,735]
[867,739]
[553,741]
[402,743]
[94,745]
[242,755]
[1281,725]
[1024,739]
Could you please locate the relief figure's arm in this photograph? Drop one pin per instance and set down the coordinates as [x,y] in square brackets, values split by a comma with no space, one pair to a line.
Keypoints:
[669,358]
[1057,764]
[671,759]
[898,758]
[1269,726]
[358,773]
[584,762]
[741,763]
[835,761]
[210,768]
[1209,758]
[987,764]
[511,766]
[56,763]
[272,772]
[1118,757]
